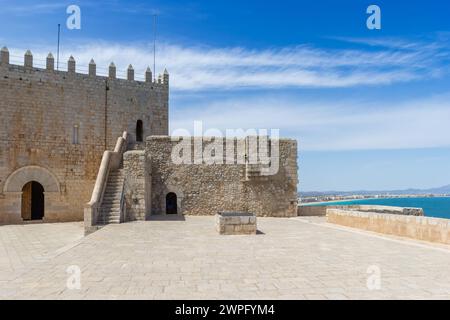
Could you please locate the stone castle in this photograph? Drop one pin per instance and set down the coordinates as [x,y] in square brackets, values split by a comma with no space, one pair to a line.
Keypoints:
[77,147]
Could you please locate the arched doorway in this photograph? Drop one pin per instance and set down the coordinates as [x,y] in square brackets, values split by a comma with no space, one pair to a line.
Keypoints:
[139,131]
[171,203]
[33,202]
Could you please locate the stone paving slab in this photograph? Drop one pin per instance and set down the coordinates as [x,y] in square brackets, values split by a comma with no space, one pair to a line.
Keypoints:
[24,245]
[291,259]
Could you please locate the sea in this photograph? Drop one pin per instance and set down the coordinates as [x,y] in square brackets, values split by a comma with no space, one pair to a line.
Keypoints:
[437,207]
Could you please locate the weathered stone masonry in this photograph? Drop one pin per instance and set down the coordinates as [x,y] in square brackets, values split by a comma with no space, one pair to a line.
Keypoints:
[136,185]
[151,176]
[74,137]
[55,126]
[208,189]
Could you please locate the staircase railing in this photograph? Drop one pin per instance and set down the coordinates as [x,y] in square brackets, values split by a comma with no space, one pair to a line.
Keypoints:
[110,161]
[123,207]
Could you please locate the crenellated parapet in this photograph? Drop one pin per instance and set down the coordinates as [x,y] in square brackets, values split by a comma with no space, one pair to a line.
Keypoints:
[112,71]
[130,73]
[162,79]
[4,56]
[50,65]
[148,75]
[92,68]
[71,65]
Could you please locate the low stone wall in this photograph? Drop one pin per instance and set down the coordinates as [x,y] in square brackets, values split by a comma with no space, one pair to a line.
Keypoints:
[314,211]
[383,209]
[414,227]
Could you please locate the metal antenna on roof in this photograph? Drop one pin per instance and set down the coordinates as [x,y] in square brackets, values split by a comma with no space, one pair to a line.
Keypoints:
[154,46]
[59,41]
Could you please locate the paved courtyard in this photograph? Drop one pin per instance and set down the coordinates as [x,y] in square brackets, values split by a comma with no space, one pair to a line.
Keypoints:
[294,258]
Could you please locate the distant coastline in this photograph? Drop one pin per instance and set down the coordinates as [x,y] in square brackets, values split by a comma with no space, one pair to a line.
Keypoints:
[336,201]
[355,199]
[433,206]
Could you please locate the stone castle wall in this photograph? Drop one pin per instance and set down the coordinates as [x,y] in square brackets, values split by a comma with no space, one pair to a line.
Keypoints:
[42,114]
[207,189]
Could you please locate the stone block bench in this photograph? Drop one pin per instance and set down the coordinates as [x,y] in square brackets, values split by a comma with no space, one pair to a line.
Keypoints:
[236,223]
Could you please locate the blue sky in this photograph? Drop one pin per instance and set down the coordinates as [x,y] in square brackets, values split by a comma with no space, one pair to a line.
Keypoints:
[370,108]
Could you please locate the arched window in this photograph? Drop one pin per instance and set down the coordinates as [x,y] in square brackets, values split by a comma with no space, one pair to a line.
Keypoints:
[139,131]
[171,203]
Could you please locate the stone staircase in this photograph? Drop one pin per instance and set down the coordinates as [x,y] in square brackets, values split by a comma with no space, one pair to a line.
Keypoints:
[110,211]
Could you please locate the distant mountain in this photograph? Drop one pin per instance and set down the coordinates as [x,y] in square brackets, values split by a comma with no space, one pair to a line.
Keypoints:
[440,190]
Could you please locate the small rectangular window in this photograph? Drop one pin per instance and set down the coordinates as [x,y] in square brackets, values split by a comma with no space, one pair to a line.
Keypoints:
[75,137]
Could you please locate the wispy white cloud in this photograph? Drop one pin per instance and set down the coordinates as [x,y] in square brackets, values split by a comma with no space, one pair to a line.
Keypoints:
[393,43]
[202,68]
[332,125]
[343,124]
